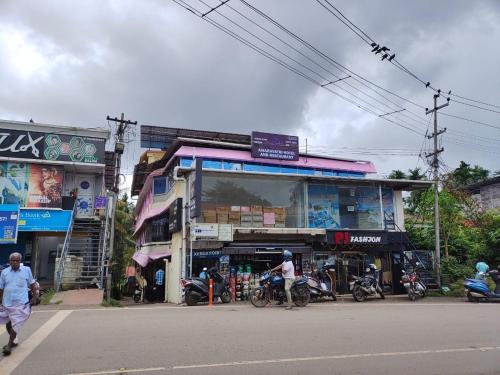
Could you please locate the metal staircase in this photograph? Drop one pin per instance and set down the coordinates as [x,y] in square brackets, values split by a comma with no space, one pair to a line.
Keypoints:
[410,252]
[80,264]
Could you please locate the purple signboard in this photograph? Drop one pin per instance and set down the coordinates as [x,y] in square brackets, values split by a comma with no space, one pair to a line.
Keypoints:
[100,202]
[275,146]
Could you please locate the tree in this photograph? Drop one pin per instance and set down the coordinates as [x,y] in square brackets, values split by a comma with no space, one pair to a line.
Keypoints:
[397,175]
[466,175]
[124,245]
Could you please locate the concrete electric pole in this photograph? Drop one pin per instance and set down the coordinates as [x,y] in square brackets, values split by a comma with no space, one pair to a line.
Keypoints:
[435,167]
[119,148]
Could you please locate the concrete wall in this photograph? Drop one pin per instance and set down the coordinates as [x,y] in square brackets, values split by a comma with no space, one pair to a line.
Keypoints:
[399,214]
[490,196]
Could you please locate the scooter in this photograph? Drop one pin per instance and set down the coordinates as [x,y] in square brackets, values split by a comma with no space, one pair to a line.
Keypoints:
[478,290]
[137,296]
[323,285]
[366,286]
[196,289]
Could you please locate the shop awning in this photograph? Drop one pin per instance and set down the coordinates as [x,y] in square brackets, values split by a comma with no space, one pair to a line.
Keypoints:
[143,259]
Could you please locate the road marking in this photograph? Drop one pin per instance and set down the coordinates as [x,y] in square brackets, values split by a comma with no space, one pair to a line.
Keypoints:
[340,356]
[19,354]
[121,371]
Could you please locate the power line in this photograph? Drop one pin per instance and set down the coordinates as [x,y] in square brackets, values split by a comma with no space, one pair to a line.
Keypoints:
[470,120]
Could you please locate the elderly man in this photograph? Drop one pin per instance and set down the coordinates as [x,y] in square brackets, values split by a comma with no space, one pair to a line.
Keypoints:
[15,308]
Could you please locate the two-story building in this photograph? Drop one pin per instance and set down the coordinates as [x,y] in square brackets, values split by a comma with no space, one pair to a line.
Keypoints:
[53,191]
[212,200]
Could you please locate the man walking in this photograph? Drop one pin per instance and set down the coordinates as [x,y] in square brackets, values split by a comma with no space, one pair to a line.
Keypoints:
[159,284]
[288,272]
[15,306]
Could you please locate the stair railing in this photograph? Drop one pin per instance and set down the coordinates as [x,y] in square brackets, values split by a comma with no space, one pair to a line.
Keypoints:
[64,251]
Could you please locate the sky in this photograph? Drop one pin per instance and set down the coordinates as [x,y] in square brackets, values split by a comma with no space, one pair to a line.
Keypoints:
[74,63]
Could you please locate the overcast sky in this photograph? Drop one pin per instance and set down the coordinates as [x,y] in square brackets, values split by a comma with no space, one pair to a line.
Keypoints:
[74,63]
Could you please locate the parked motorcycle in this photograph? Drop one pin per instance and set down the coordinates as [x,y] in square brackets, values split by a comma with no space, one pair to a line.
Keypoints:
[272,286]
[196,289]
[323,284]
[137,296]
[366,286]
[414,286]
[478,290]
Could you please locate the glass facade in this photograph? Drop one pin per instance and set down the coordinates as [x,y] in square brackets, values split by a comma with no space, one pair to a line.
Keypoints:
[263,201]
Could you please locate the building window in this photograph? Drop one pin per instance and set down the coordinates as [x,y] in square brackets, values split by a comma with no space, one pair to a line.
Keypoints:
[159,185]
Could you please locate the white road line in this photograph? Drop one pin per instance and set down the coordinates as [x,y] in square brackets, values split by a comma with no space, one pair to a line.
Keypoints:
[341,356]
[121,371]
[19,354]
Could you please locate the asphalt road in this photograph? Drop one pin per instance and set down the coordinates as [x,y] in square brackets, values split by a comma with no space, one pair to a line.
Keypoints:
[376,337]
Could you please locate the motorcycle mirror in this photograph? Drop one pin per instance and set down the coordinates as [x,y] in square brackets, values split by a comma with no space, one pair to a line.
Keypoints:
[267,265]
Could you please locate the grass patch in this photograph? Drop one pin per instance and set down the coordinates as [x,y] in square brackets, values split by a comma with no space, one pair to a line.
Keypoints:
[47,296]
[112,303]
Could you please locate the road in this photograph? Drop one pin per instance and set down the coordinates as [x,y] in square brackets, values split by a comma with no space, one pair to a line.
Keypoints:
[376,337]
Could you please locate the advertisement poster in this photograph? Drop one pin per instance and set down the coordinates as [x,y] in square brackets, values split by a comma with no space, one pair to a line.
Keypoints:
[14,183]
[323,210]
[368,208]
[9,216]
[45,186]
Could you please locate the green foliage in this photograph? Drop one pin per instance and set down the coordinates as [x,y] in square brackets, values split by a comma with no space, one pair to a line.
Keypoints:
[112,303]
[466,175]
[47,296]
[455,269]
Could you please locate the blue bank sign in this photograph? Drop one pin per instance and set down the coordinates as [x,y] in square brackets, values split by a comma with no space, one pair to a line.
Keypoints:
[9,215]
[32,220]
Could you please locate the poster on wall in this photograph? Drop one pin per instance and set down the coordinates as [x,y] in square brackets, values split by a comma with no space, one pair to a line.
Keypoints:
[9,216]
[45,186]
[14,183]
[323,207]
[368,208]
[84,206]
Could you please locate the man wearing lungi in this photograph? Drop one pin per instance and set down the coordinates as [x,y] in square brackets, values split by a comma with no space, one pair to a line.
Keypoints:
[15,308]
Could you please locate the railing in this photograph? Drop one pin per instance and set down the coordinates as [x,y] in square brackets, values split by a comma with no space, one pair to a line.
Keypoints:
[64,251]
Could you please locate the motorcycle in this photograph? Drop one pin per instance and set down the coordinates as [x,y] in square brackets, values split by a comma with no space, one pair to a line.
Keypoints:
[323,285]
[272,286]
[414,286]
[137,296]
[366,286]
[196,289]
[478,290]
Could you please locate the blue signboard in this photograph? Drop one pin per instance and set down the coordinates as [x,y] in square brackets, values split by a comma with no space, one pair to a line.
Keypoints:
[9,215]
[34,220]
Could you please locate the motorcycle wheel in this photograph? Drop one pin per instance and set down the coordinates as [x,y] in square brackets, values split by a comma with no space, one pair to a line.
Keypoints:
[301,296]
[358,294]
[471,298]
[412,296]
[137,298]
[257,297]
[190,300]
[225,297]
[382,295]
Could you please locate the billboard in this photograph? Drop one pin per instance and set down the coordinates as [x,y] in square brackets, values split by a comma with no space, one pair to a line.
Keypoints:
[14,178]
[25,144]
[45,186]
[9,215]
[275,146]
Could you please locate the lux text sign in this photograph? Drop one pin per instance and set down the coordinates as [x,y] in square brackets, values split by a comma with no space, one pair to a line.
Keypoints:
[275,146]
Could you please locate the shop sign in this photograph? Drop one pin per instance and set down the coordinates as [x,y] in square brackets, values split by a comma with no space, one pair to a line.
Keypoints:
[195,190]
[275,146]
[207,254]
[225,233]
[23,144]
[9,216]
[32,220]
[205,231]
[356,237]
[175,216]
[100,202]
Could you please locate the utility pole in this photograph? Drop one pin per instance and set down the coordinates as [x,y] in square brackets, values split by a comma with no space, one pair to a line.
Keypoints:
[119,148]
[435,166]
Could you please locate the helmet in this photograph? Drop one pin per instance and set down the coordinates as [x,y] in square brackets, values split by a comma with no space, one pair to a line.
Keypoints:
[204,269]
[287,255]
[371,268]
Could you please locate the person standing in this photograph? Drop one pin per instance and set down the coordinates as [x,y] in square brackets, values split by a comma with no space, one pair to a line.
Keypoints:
[159,284]
[288,272]
[15,308]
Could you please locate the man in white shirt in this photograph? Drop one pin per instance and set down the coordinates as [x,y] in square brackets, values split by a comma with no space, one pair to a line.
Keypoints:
[288,272]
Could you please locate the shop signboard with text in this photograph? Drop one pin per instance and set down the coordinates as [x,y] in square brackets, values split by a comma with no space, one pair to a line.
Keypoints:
[36,220]
[356,237]
[23,144]
[275,146]
[9,216]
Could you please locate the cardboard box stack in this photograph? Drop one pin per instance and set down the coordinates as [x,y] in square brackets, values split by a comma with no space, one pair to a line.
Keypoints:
[280,217]
[257,217]
[246,217]
[235,216]
[222,215]
[209,216]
